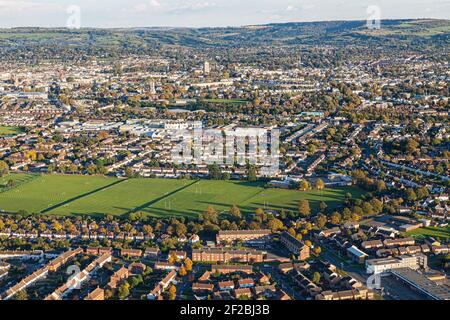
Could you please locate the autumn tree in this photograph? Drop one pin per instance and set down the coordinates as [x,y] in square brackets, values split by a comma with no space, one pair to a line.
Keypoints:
[129,172]
[210,215]
[303,208]
[235,212]
[4,168]
[188,264]
[381,186]
[123,291]
[182,272]
[172,292]
[147,229]
[291,231]
[172,257]
[316,277]
[335,218]
[275,225]
[304,185]
[346,214]
[320,185]
[321,221]
[422,192]
[21,295]
[322,206]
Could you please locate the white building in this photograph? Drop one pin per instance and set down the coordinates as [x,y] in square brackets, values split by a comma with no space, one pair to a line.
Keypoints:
[385,265]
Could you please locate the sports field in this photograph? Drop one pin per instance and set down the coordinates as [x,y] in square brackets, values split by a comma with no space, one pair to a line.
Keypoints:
[437,232]
[9,131]
[226,101]
[95,195]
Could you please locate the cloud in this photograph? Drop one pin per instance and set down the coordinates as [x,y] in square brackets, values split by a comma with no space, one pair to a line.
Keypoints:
[8,7]
[155,3]
[142,7]
[15,6]
[172,6]
[200,13]
[291,8]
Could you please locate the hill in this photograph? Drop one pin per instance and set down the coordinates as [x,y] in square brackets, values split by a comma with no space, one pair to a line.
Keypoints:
[343,33]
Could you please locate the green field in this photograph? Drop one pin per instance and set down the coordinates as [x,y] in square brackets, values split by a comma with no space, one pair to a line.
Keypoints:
[226,101]
[443,233]
[8,131]
[74,195]
[45,191]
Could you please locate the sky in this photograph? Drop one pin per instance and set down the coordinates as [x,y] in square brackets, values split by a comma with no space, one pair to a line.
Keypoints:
[206,13]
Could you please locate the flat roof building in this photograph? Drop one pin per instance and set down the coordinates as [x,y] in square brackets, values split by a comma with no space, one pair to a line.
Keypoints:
[386,265]
[423,284]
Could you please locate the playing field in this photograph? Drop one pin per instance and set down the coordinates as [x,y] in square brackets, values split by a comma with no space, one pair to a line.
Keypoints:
[442,233]
[226,101]
[7,131]
[73,195]
[35,194]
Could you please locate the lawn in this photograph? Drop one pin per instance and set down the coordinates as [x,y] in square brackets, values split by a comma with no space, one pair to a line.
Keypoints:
[226,101]
[248,196]
[122,198]
[45,191]
[194,199]
[443,233]
[18,178]
[9,131]
[73,195]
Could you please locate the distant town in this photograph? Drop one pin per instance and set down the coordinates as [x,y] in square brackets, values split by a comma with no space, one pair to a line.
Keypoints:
[212,165]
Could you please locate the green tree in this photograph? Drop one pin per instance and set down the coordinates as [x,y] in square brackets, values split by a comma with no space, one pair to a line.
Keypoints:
[346,214]
[322,206]
[214,172]
[252,173]
[92,169]
[128,172]
[422,192]
[123,291]
[410,195]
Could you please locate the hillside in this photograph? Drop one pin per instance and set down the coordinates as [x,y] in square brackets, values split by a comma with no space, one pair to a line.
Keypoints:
[392,32]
